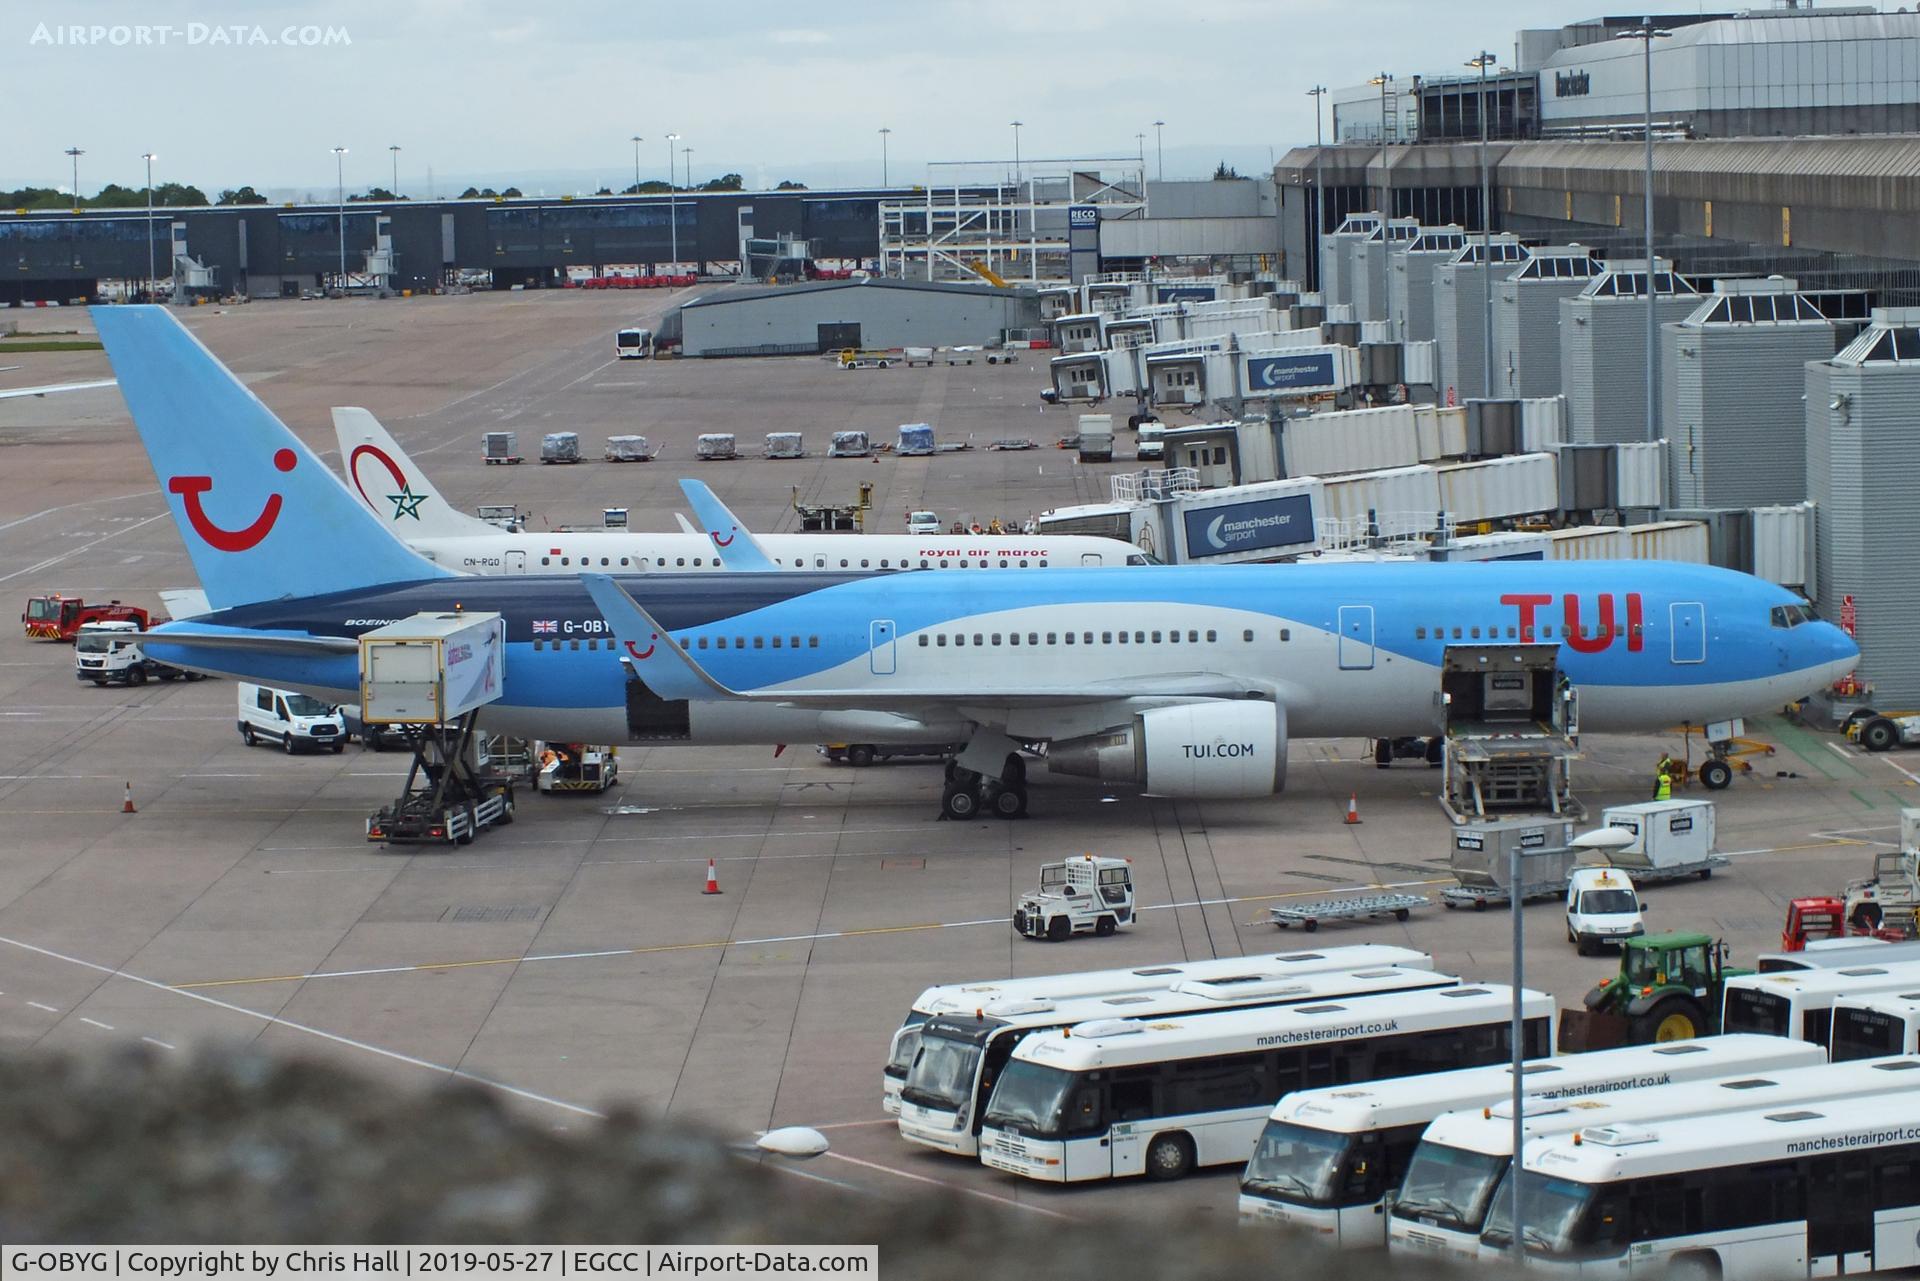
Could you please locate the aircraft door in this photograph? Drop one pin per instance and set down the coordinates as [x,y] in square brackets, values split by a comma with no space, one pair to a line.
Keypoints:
[1356,638]
[1689,622]
[516,562]
[880,638]
[1092,558]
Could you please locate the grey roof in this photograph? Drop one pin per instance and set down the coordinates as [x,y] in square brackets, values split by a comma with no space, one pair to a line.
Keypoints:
[751,293]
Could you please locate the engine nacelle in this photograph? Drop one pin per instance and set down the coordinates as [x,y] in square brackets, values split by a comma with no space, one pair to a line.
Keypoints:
[1201,750]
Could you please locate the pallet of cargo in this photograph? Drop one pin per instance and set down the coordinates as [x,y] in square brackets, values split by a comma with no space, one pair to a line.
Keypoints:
[1480,897]
[1309,915]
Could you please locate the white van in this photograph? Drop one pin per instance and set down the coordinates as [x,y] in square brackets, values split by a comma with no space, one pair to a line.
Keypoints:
[923,523]
[292,720]
[1602,907]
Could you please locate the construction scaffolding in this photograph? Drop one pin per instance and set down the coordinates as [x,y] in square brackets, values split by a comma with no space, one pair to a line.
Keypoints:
[1010,221]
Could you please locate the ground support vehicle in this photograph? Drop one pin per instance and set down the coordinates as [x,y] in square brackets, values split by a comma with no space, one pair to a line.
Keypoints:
[855,358]
[57,617]
[1672,841]
[1669,988]
[292,720]
[502,449]
[109,653]
[1430,750]
[1884,904]
[862,754]
[1884,731]
[1602,908]
[445,799]
[1309,915]
[576,767]
[1090,895]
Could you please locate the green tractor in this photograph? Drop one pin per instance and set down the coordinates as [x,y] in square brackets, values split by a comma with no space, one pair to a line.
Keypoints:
[1668,989]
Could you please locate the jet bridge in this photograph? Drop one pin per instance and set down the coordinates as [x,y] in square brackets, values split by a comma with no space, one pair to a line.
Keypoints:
[1512,731]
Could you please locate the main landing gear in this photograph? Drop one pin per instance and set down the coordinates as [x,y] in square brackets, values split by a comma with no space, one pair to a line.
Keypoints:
[968,794]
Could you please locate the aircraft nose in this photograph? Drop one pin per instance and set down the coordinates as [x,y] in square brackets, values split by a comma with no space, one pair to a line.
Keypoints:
[1840,652]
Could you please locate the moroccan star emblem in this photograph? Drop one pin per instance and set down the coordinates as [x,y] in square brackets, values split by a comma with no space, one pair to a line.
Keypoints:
[406,502]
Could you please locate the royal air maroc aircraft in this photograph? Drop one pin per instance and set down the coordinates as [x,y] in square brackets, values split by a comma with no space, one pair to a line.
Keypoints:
[1187,680]
[395,489]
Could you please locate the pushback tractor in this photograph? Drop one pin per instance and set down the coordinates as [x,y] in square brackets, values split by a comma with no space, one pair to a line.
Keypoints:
[1090,895]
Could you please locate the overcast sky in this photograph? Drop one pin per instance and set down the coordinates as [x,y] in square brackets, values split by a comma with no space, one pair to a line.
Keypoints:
[555,90]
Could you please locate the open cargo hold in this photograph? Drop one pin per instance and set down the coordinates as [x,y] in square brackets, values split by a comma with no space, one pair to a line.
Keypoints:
[431,668]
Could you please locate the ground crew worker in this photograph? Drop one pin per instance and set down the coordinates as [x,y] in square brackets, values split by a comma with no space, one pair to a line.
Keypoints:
[1663,788]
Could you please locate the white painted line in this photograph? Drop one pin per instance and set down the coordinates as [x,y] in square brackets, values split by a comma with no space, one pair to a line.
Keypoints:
[51,561]
[276,1021]
[162,1044]
[1890,763]
[951,1187]
[104,1027]
[48,1008]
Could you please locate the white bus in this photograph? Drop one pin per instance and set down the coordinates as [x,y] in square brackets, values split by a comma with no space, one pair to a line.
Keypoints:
[1458,1176]
[1123,1097]
[1825,1189]
[964,998]
[962,1055]
[1330,1160]
[632,344]
[1871,1027]
[1800,1002]
[1831,954]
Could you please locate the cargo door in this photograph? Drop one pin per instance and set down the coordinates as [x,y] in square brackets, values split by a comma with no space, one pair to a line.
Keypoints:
[1356,638]
[1689,623]
[516,562]
[880,638]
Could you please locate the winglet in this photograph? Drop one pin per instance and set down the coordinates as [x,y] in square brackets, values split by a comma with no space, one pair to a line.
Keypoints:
[375,466]
[737,547]
[645,640]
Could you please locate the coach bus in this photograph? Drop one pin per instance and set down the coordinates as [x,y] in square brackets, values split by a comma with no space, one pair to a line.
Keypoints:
[962,1055]
[1330,1160]
[964,998]
[1123,1097]
[1823,1189]
[1458,1175]
[1799,1003]
[1871,1027]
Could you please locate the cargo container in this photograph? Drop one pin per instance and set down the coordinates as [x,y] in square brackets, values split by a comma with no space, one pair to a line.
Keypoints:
[1665,833]
[431,668]
[560,447]
[1499,488]
[1247,523]
[1680,540]
[1350,440]
[786,444]
[1590,542]
[915,438]
[1783,546]
[502,447]
[628,449]
[716,446]
[849,444]
[1406,499]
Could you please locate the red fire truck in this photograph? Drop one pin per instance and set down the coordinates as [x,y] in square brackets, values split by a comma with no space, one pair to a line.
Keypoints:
[57,617]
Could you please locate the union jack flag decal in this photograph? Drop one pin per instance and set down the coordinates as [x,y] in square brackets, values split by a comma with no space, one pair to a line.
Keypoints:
[545,627]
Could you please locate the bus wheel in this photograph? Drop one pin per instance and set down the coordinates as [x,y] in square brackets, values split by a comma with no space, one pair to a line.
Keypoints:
[1169,1157]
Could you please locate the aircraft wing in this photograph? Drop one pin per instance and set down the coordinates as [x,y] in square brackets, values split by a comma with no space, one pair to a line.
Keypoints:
[54,388]
[737,546]
[681,676]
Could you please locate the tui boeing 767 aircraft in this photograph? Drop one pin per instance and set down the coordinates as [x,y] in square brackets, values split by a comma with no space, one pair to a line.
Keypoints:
[1186,680]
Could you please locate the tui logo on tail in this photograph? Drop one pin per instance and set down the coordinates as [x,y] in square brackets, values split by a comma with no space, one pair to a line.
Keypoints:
[190,488]
[718,541]
[643,653]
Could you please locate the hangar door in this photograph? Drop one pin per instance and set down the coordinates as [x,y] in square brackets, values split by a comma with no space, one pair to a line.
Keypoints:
[834,337]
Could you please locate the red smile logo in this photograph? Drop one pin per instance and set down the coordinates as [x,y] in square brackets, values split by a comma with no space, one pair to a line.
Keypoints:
[190,488]
[643,653]
[719,541]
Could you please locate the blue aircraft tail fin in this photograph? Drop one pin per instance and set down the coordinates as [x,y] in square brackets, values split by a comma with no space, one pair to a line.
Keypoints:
[261,517]
[737,546]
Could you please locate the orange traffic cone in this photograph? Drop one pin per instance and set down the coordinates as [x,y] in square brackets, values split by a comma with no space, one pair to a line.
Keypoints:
[126,806]
[1353,807]
[713,880]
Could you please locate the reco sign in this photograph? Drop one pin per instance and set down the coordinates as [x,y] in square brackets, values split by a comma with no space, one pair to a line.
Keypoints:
[1281,373]
[1247,527]
[1083,216]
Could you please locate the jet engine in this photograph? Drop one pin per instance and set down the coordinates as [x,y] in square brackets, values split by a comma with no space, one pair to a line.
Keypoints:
[1201,750]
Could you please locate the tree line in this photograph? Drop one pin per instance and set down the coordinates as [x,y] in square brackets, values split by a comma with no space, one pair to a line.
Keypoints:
[176,195]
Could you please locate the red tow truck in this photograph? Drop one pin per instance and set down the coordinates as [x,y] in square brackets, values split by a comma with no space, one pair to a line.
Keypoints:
[57,617]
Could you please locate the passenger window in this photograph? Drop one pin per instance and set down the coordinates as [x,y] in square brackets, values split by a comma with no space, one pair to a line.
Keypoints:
[1419,633]
[545,561]
[1512,631]
[813,642]
[680,562]
[1123,638]
[1023,564]
[1139,638]
[1546,633]
[977,640]
[864,563]
[883,562]
[574,646]
[1086,638]
[940,640]
[959,639]
[739,642]
[720,642]
[603,561]
[1013,638]
[1193,637]
[538,644]
[703,642]
[1174,636]
[1043,562]
[1212,636]
[923,641]
[697,562]
[923,562]
[623,562]
[843,562]
[1053,639]
[943,564]
[1247,635]
[1286,634]
[661,561]
[1033,638]
[996,638]
[759,642]
[1456,633]
[1156,638]
[776,641]
[566,560]
[1475,633]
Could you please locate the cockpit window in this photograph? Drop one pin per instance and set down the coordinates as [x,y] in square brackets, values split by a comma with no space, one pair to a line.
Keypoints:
[1793,615]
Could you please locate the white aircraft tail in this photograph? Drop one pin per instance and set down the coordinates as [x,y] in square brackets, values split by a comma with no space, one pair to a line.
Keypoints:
[380,475]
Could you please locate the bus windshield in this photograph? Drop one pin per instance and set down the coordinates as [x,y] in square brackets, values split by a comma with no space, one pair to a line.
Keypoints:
[1448,1184]
[1751,1011]
[1296,1163]
[943,1072]
[1031,1099]
[1553,1210]
[1864,1034]
[906,1044]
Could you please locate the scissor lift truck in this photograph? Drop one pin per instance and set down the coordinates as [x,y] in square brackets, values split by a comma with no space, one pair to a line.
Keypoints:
[1089,895]
[436,671]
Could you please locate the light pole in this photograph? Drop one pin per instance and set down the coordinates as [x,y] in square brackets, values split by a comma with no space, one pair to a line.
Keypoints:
[149,157]
[1016,150]
[686,154]
[884,131]
[1160,148]
[394,149]
[1319,200]
[1601,838]
[1386,174]
[1483,60]
[673,203]
[637,140]
[340,180]
[1647,33]
[75,153]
